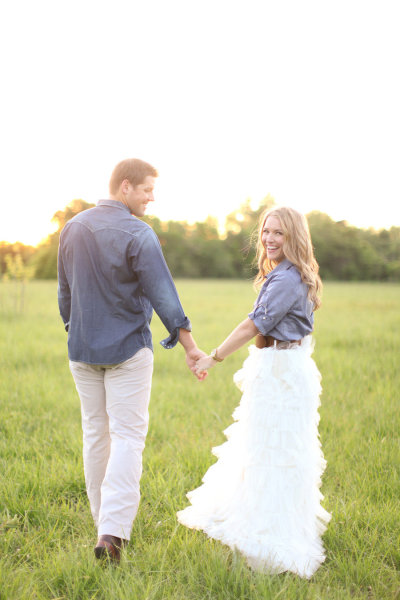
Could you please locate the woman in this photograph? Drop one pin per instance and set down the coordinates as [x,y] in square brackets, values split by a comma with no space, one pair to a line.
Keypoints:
[262,496]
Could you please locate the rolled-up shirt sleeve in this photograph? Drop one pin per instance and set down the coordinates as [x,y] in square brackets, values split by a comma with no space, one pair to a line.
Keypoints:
[148,263]
[64,292]
[274,303]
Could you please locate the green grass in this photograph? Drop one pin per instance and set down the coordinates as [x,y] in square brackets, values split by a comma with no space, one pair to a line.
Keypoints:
[46,531]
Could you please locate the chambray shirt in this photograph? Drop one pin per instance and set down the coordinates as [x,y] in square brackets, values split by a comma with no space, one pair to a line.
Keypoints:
[111,275]
[282,309]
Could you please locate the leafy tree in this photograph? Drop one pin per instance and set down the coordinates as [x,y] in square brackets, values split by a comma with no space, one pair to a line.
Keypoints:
[18,249]
[200,250]
[45,259]
[17,274]
[345,252]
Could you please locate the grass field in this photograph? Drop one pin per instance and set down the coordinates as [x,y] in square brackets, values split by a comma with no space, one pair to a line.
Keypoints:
[46,531]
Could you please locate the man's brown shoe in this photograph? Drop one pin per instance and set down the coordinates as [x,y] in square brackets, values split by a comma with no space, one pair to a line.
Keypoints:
[109,547]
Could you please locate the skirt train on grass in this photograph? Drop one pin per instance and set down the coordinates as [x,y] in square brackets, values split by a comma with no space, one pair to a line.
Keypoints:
[262,495]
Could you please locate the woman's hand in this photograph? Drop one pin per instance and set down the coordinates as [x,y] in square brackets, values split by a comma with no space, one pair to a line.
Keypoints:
[205,363]
[192,356]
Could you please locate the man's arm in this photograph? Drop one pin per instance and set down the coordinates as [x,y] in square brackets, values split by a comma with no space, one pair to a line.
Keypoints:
[147,261]
[64,292]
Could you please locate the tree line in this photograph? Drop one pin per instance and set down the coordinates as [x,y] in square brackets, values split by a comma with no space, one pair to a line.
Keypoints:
[344,252]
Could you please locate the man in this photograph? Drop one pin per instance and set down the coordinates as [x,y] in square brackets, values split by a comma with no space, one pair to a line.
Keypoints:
[112,274]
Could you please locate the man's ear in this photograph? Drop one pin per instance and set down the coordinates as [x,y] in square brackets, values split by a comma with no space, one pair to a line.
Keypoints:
[125,186]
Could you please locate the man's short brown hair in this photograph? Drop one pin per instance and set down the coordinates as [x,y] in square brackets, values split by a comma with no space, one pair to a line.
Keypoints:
[132,169]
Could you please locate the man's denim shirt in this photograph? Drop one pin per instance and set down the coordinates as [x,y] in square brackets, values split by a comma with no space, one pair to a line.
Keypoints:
[111,274]
[282,309]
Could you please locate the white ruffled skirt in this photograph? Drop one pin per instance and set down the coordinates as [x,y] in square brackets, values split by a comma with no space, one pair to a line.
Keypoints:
[262,495]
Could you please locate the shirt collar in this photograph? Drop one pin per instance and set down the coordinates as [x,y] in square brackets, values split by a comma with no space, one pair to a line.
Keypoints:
[113,204]
[284,265]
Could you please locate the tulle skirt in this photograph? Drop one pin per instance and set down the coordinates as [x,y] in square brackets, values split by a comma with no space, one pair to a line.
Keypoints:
[262,496]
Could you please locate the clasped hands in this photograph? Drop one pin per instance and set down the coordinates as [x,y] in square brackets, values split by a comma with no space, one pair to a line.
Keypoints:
[199,363]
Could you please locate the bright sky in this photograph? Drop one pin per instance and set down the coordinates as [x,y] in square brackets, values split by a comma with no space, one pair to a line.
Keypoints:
[228,99]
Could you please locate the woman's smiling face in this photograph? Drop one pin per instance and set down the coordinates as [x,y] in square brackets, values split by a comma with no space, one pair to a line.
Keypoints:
[273,239]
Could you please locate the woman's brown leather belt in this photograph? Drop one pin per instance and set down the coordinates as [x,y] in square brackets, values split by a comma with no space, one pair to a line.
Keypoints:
[266,341]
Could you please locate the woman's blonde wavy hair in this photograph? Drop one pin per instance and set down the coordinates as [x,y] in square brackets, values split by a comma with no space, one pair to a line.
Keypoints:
[297,248]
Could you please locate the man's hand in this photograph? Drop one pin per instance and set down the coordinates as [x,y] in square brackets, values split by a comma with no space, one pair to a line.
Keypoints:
[193,355]
[205,363]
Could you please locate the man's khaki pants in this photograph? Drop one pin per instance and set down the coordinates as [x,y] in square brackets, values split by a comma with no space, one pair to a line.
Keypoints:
[115,417]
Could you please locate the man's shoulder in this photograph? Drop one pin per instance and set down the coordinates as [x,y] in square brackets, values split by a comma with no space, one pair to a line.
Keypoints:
[95,219]
[139,229]
[82,217]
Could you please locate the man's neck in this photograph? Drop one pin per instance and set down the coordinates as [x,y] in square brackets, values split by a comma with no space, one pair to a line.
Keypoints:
[118,198]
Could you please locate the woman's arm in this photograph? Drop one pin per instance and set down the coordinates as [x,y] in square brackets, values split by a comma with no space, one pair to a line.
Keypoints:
[242,334]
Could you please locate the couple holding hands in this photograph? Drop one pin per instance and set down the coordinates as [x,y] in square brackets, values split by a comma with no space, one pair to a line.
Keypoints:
[262,495]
